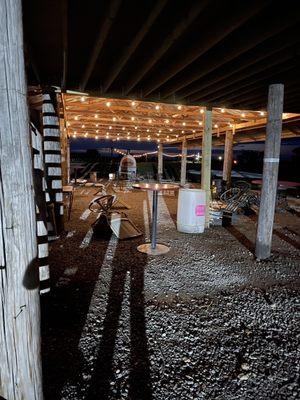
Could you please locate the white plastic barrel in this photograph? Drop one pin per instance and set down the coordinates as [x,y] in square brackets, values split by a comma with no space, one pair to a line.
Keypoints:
[191,210]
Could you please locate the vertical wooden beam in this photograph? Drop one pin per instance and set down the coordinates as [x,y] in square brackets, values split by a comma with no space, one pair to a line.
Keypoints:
[228,154]
[52,156]
[160,167]
[183,162]
[206,160]
[64,151]
[270,172]
[20,347]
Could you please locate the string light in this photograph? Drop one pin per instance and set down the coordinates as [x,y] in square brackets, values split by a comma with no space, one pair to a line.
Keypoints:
[82,98]
[261,113]
[96,137]
[150,121]
[108,104]
[157,107]
[202,111]
[179,107]
[133,103]
[123,128]
[200,123]
[243,115]
[183,123]
[222,110]
[114,119]
[216,125]
[82,126]
[96,115]
[97,125]
[167,121]
[76,118]
[135,127]
[85,134]
[132,118]
[148,130]
[110,127]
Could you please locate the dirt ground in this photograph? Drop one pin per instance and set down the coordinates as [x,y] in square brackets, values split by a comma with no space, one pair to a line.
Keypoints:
[205,321]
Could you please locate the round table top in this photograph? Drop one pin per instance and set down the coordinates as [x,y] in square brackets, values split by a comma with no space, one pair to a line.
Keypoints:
[156,186]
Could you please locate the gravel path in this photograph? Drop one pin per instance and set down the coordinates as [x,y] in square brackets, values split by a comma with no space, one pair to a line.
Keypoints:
[205,321]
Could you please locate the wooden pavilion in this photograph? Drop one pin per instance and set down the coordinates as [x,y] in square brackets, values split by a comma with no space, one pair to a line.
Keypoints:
[159,71]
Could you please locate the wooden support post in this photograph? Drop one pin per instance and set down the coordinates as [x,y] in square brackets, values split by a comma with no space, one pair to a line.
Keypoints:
[52,156]
[20,343]
[160,167]
[206,160]
[64,152]
[228,153]
[270,172]
[183,162]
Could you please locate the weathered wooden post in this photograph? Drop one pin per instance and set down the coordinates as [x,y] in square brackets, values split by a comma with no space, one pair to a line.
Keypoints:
[52,156]
[270,172]
[20,360]
[206,160]
[160,167]
[183,162]
[228,153]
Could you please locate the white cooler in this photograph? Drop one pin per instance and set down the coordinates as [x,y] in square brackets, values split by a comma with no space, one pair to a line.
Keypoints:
[191,210]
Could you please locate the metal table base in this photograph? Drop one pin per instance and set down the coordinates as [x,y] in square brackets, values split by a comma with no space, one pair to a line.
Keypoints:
[153,248]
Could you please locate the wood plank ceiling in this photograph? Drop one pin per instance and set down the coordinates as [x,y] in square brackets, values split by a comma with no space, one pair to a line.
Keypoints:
[209,52]
[122,119]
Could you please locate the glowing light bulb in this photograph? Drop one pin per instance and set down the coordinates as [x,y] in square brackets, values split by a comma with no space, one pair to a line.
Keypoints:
[148,130]
[108,104]
[82,126]
[150,121]
[167,121]
[222,110]
[200,123]
[96,137]
[97,125]
[97,131]
[183,123]
[179,107]
[243,115]
[110,127]
[76,118]
[202,111]
[82,98]
[216,125]
[182,131]
[96,115]
[157,107]
[261,113]
[114,119]
[123,128]
[133,103]
[132,118]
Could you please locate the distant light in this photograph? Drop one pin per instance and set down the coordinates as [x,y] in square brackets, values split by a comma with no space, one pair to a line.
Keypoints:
[97,125]
[235,162]
[220,158]
[158,140]
[177,136]
[128,133]
[148,139]
[159,131]
[183,123]
[171,129]
[139,139]
[193,131]
[135,127]
[118,138]
[108,104]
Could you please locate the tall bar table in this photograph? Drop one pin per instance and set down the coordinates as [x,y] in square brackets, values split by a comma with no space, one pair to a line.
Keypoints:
[154,248]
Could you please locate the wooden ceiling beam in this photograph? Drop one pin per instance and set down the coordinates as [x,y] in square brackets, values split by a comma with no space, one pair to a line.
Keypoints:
[129,50]
[165,45]
[105,26]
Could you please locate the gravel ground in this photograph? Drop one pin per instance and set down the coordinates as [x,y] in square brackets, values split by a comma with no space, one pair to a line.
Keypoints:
[205,321]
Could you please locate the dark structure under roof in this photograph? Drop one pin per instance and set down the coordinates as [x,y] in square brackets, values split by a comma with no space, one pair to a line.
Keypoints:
[208,52]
